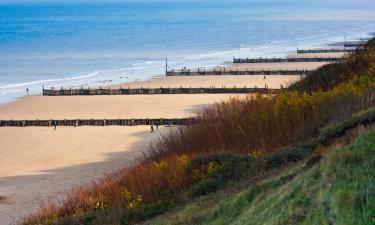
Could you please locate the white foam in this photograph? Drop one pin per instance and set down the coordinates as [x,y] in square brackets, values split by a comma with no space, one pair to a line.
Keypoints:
[24,84]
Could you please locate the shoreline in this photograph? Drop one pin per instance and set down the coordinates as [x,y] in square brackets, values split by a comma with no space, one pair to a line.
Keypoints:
[40,163]
[123,78]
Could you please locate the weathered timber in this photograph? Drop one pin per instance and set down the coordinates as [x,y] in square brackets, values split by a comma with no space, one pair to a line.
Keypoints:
[226,71]
[96,122]
[283,60]
[333,50]
[154,91]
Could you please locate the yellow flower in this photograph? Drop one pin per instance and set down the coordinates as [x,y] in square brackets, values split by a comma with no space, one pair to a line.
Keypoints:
[139,198]
[182,161]
[100,205]
[131,205]
[160,166]
[126,194]
[211,167]
[256,154]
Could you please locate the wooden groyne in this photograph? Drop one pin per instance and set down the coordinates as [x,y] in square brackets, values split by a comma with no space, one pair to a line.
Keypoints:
[355,44]
[154,91]
[283,60]
[96,122]
[226,71]
[333,50]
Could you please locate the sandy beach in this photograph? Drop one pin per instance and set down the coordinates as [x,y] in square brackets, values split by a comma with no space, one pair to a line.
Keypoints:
[215,81]
[319,55]
[40,163]
[108,107]
[277,66]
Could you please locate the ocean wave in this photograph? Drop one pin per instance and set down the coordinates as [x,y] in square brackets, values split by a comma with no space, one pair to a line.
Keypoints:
[3,93]
[24,84]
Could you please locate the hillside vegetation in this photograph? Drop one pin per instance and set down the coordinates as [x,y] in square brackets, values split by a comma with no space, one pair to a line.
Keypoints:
[241,140]
[340,189]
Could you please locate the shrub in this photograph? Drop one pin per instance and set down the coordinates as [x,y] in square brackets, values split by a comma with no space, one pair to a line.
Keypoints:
[288,155]
[206,186]
[216,170]
[147,211]
[222,165]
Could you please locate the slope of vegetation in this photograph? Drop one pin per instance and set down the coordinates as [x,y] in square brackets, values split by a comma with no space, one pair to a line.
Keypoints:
[238,140]
[340,189]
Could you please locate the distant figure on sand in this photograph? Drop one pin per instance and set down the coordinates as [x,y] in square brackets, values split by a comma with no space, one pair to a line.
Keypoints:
[157,125]
[152,129]
[264,77]
[27,91]
[54,125]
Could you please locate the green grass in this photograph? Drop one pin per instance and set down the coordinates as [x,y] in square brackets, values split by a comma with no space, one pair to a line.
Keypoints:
[340,189]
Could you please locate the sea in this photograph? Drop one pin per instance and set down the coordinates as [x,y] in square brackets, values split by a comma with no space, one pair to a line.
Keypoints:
[99,43]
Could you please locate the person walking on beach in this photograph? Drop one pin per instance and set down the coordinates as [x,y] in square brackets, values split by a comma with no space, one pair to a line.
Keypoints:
[54,125]
[27,91]
[264,77]
[157,125]
[152,129]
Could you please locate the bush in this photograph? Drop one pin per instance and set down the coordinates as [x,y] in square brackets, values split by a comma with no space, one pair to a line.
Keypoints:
[148,211]
[215,170]
[289,155]
[206,186]
[222,165]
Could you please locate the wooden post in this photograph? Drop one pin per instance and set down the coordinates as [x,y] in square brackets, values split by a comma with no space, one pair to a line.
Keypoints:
[166,67]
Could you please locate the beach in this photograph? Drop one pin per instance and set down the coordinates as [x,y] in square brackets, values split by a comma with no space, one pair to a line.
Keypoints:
[277,66]
[215,81]
[108,107]
[133,44]
[39,163]
[319,55]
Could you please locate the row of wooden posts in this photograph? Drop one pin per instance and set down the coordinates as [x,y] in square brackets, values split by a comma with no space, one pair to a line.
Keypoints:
[237,72]
[333,50]
[151,91]
[283,60]
[355,44]
[96,122]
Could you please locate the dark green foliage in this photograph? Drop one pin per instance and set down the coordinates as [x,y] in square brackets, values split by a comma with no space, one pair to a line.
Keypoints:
[147,211]
[84,220]
[206,186]
[228,167]
[287,155]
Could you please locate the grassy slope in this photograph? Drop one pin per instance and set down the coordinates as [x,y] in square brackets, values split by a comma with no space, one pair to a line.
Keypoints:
[340,189]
